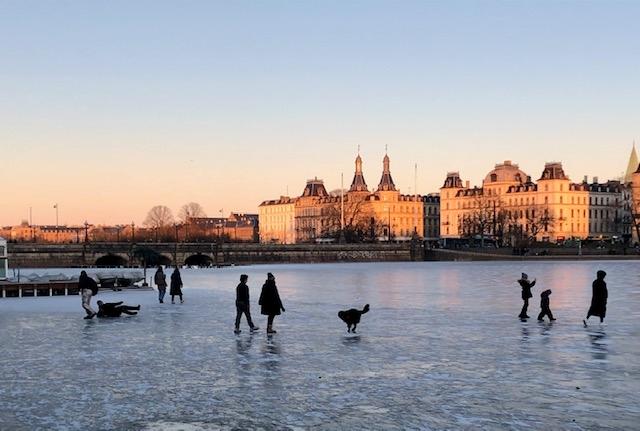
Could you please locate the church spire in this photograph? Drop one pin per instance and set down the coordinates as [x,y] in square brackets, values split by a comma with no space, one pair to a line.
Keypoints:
[632,166]
[386,182]
[358,184]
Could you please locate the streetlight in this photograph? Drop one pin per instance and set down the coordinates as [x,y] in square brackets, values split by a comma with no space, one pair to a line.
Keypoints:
[133,232]
[86,231]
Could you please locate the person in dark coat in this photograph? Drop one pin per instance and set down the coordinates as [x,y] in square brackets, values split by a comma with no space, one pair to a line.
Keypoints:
[526,293]
[270,302]
[544,305]
[115,309]
[243,304]
[599,298]
[88,288]
[160,279]
[176,286]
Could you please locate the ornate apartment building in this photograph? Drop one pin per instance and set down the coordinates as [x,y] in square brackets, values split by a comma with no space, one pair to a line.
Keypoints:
[510,206]
[317,215]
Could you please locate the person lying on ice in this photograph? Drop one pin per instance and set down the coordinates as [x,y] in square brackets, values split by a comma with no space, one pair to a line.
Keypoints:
[115,309]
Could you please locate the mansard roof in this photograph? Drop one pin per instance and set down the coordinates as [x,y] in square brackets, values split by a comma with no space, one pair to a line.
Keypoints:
[553,171]
[452,181]
[315,187]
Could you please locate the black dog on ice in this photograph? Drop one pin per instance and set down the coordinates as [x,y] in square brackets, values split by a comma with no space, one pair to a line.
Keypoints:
[352,317]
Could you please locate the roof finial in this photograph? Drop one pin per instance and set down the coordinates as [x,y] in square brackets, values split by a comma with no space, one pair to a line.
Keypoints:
[358,149]
[386,148]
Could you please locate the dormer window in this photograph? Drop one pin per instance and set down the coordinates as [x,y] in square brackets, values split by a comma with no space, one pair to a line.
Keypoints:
[494,178]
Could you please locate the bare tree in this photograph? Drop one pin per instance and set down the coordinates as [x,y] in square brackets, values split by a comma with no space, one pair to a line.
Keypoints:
[482,219]
[192,209]
[158,217]
[359,222]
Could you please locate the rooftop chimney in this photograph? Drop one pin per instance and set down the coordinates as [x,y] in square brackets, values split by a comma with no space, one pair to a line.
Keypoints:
[595,180]
[467,184]
[586,179]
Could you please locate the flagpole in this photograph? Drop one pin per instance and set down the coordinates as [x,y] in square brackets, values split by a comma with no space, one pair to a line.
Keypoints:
[57,224]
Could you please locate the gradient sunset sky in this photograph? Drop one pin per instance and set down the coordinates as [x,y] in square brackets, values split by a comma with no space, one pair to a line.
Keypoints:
[111,107]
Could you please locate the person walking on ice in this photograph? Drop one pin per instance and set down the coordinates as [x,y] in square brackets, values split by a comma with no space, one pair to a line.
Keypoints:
[544,305]
[598,299]
[176,286]
[160,279]
[88,288]
[243,304]
[270,302]
[526,294]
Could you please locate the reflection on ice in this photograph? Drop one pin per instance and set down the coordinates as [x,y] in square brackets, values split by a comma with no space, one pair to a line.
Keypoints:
[441,348]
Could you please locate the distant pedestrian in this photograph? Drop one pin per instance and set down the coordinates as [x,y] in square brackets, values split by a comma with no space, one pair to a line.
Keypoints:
[161,281]
[270,302]
[176,286]
[526,293]
[599,298]
[243,304]
[88,288]
[544,305]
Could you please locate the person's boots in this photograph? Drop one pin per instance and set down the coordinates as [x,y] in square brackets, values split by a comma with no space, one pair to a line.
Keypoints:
[254,328]
[237,331]
[270,330]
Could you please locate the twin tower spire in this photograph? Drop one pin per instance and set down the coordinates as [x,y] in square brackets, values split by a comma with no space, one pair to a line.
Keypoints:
[386,182]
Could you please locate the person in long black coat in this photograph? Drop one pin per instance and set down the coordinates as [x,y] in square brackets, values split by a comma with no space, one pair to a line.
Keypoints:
[176,286]
[526,294]
[599,298]
[270,302]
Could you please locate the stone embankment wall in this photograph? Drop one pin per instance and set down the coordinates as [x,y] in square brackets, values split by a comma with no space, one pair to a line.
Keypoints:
[77,255]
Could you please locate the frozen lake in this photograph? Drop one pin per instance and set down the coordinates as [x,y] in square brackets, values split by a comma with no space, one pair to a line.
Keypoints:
[441,348]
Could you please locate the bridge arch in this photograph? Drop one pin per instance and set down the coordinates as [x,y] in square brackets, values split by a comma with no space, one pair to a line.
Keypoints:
[164,260]
[111,260]
[198,260]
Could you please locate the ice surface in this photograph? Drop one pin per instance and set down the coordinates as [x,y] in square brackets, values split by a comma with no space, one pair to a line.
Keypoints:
[441,348]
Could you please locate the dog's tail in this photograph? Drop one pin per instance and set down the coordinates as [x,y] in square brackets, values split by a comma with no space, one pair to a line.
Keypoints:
[365,309]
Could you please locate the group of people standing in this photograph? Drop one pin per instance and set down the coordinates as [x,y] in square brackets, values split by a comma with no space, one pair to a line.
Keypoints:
[160,280]
[270,303]
[598,299]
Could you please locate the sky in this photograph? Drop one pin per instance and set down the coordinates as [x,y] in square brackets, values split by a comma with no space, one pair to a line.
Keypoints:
[108,108]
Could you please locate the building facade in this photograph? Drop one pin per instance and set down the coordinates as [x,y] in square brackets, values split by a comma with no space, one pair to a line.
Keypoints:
[277,221]
[509,206]
[431,219]
[356,214]
[238,227]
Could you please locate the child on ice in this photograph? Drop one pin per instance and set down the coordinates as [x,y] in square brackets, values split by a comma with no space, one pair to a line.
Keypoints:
[544,304]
